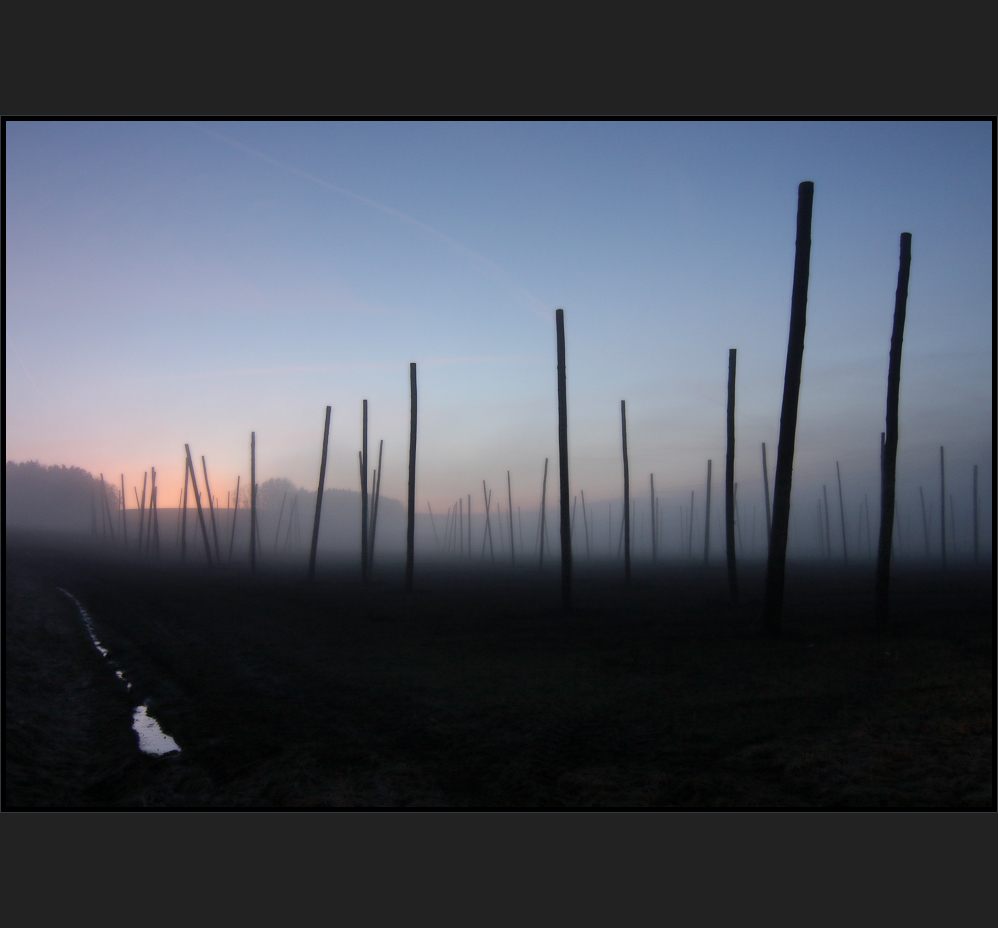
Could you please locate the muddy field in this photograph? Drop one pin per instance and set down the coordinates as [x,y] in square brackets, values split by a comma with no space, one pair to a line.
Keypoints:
[477,691]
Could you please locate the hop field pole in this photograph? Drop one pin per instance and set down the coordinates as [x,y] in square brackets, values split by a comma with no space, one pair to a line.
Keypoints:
[318,497]
[706,524]
[433,525]
[842,513]
[540,525]
[280,517]
[142,510]
[197,500]
[625,525]
[152,509]
[890,441]
[374,508]
[566,528]
[410,532]
[183,518]
[729,480]
[765,484]
[828,523]
[107,508]
[364,566]
[654,536]
[585,525]
[253,528]
[211,509]
[235,512]
[783,480]
[124,528]
[509,491]
[925,522]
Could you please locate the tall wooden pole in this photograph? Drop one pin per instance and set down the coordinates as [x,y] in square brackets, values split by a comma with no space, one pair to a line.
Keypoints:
[142,510]
[689,523]
[124,509]
[842,513]
[280,517]
[197,499]
[925,522]
[318,498]
[828,523]
[765,483]
[183,522]
[654,537]
[211,509]
[783,480]
[235,512]
[975,513]
[706,524]
[566,524]
[410,530]
[942,504]
[374,508]
[585,525]
[626,522]
[363,498]
[509,490]
[540,527]
[253,528]
[729,480]
[889,468]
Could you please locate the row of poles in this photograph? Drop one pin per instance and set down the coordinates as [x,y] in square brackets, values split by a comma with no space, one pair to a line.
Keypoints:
[777,521]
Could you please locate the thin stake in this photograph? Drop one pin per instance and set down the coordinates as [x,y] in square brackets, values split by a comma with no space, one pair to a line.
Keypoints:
[211,509]
[585,525]
[566,526]
[783,481]
[124,524]
[888,480]
[410,533]
[235,512]
[626,522]
[729,480]
[540,528]
[183,523]
[509,490]
[318,496]
[280,516]
[363,500]
[925,521]
[253,526]
[377,499]
[654,538]
[197,499]
[142,510]
[765,483]
[842,511]
[706,524]
[152,514]
[828,524]
[107,506]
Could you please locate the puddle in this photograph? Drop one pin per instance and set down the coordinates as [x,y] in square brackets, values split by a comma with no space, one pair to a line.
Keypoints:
[152,738]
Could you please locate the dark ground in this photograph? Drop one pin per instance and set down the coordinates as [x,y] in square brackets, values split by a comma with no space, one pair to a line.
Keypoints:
[477,691]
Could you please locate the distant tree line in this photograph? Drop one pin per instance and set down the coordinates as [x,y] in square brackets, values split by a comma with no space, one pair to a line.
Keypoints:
[57,498]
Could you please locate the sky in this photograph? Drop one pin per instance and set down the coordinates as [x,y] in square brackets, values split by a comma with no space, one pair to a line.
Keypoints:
[184,282]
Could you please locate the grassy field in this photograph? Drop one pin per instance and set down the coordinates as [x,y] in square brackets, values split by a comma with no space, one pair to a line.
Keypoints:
[477,691]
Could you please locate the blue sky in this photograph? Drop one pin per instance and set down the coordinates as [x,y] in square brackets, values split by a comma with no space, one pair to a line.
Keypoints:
[184,282]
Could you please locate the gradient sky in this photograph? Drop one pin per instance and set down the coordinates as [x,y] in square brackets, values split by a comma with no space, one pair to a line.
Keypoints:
[192,282]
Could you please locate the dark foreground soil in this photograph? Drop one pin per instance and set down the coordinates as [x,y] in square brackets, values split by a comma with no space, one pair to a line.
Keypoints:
[476,690]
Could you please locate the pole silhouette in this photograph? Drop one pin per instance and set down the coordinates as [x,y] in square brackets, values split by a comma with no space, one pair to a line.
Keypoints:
[842,512]
[211,507]
[410,530]
[509,490]
[318,498]
[942,504]
[783,481]
[197,500]
[706,525]
[541,527]
[253,526]
[235,512]
[566,525]
[765,483]
[888,480]
[626,521]
[729,480]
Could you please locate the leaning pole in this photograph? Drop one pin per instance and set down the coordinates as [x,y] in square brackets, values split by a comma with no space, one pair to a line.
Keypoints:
[890,452]
[626,522]
[566,524]
[783,479]
[318,498]
[410,531]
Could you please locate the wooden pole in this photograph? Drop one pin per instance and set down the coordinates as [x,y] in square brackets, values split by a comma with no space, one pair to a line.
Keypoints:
[689,523]
[706,524]
[729,480]
[540,527]
[828,524]
[142,510]
[197,499]
[585,525]
[888,479]
[487,534]
[363,499]
[509,491]
[211,510]
[377,498]
[235,512]
[765,483]
[942,504]
[566,526]
[253,528]
[654,537]
[469,527]
[410,530]
[842,513]
[280,517]
[460,527]
[183,522]
[783,481]
[155,512]
[124,509]
[626,523]
[975,513]
[318,498]
[152,510]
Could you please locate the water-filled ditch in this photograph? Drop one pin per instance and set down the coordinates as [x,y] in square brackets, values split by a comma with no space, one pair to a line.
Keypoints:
[152,738]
